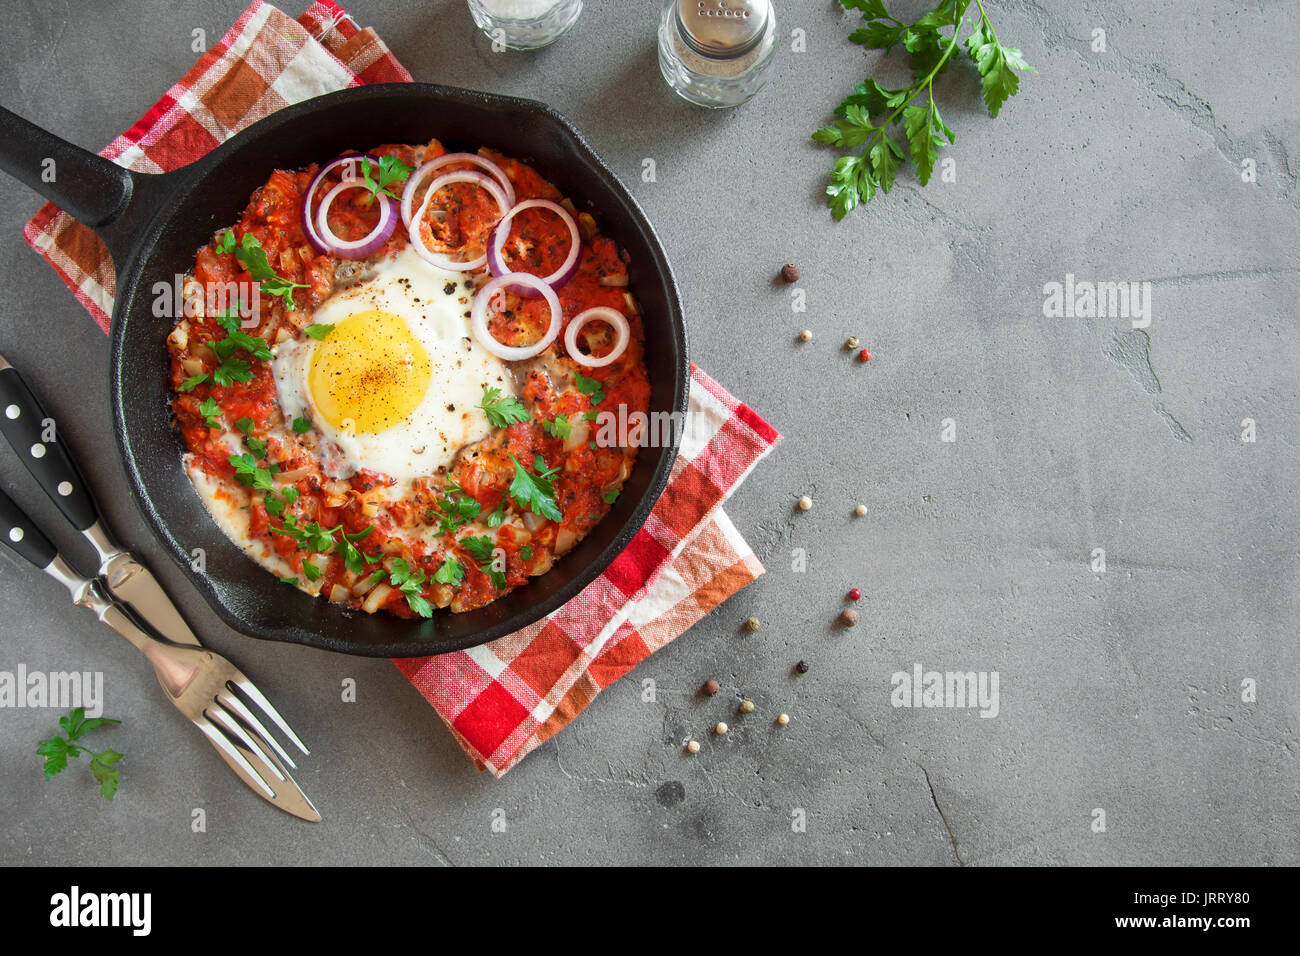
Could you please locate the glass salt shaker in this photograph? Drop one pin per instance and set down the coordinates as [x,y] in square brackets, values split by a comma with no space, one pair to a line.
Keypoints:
[717,53]
[525,24]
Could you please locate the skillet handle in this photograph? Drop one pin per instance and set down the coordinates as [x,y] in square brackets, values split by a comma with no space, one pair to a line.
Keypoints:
[88,187]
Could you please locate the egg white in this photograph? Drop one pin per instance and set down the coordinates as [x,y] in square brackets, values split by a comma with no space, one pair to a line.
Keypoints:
[428,300]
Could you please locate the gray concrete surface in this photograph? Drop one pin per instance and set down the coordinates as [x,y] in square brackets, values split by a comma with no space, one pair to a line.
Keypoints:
[1119,691]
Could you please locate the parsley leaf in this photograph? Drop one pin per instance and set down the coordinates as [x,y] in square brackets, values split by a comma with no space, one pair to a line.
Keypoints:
[498,514]
[502,412]
[352,557]
[58,749]
[589,387]
[535,492]
[526,552]
[253,258]
[257,446]
[451,572]
[232,370]
[391,170]
[275,502]
[193,382]
[301,425]
[611,496]
[226,241]
[318,330]
[245,425]
[310,571]
[996,65]
[876,156]
[410,582]
[248,473]
[210,411]
[481,547]
[558,427]
[251,344]
[228,320]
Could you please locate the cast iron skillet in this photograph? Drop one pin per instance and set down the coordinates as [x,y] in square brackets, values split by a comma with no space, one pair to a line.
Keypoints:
[154,224]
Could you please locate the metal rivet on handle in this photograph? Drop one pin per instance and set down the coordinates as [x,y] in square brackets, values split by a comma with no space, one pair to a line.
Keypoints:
[65,488]
[13,411]
[38,450]
[15,535]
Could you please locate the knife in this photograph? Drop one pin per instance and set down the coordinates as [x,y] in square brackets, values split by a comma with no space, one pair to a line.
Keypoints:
[34,437]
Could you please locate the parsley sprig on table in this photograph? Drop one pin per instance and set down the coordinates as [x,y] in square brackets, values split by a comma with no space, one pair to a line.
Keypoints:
[58,749]
[858,176]
[535,491]
[502,411]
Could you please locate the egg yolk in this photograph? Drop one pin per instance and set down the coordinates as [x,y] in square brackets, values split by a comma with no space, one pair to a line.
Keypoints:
[369,373]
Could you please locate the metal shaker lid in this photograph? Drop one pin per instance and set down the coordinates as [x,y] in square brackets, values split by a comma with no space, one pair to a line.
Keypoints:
[722,29]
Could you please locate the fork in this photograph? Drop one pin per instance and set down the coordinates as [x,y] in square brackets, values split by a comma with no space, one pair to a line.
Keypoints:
[204,686]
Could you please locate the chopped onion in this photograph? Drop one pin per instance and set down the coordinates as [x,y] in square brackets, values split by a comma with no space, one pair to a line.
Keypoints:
[413,227]
[375,598]
[601,313]
[367,244]
[417,177]
[501,232]
[577,435]
[479,309]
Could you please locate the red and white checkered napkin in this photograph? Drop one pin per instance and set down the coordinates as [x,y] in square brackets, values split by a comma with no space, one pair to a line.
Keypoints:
[503,699]
[266,61]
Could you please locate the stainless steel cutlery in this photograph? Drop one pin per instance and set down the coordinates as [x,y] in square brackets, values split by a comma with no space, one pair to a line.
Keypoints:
[123,594]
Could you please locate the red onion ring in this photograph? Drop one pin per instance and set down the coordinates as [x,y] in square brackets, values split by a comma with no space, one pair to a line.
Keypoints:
[601,313]
[446,159]
[501,231]
[308,217]
[439,259]
[368,244]
[478,316]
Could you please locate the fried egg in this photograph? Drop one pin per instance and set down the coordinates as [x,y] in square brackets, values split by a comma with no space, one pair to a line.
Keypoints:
[395,384]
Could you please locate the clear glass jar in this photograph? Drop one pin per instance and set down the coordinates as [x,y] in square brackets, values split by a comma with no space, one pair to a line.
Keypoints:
[717,53]
[525,24]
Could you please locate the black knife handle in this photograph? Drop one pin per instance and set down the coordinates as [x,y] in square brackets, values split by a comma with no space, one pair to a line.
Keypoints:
[23,536]
[21,418]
